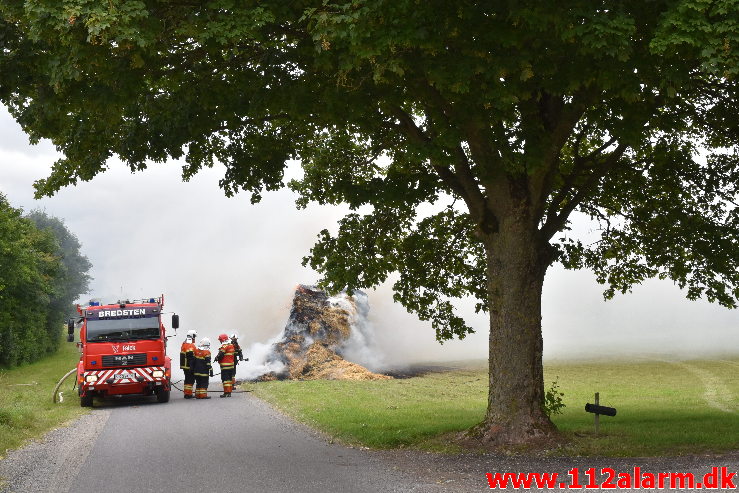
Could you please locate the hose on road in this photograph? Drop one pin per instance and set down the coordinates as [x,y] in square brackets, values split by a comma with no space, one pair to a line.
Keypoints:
[59,384]
[174,384]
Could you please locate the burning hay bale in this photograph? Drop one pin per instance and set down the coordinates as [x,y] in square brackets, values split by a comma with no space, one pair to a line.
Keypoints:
[315,338]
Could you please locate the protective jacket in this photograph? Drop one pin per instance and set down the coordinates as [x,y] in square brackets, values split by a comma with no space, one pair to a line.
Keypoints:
[187,355]
[201,363]
[225,356]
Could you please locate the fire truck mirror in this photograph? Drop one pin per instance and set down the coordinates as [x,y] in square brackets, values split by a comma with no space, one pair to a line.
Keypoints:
[70,326]
[175,321]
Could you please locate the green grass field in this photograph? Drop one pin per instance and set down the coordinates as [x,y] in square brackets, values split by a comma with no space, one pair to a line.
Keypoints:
[663,408]
[26,408]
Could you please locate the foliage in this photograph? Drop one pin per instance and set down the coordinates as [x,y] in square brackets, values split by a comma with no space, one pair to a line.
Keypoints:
[41,273]
[392,104]
[74,278]
[463,135]
[71,280]
[28,267]
[553,402]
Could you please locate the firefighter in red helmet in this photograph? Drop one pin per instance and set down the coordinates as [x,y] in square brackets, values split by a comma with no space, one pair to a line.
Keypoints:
[225,358]
[202,368]
[187,357]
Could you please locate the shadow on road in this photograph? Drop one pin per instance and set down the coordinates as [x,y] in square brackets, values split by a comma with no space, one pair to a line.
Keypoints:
[124,400]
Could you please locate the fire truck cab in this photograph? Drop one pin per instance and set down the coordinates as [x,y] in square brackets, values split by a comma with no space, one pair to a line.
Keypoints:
[124,349]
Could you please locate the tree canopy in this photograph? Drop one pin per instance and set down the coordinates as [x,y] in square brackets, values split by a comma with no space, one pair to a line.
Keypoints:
[41,273]
[507,116]
[72,278]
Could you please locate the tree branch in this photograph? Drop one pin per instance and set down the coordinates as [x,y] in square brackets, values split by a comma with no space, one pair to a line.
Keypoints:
[477,203]
[560,120]
[556,222]
[460,180]
[578,168]
[413,132]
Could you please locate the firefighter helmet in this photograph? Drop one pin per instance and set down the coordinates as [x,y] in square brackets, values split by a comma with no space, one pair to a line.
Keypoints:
[191,334]
[204,343]
[222,338]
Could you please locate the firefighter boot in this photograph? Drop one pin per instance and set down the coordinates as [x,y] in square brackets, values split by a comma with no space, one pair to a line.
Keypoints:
[226,394]
[188,396]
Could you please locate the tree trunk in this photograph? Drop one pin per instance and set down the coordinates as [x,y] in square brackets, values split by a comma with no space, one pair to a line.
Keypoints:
[516,264]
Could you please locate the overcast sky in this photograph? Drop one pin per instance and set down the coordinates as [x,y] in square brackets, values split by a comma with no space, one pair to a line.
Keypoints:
[225,265]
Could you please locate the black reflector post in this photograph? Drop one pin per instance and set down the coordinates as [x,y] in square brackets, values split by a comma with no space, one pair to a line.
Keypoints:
[608,411]
[597,409]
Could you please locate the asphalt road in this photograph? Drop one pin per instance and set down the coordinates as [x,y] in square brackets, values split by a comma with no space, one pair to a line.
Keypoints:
[223,445]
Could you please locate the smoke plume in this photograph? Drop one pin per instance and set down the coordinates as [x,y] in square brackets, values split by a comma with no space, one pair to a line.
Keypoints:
[324,338]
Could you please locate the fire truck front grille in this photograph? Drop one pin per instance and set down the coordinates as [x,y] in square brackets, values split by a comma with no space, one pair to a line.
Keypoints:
[124,360]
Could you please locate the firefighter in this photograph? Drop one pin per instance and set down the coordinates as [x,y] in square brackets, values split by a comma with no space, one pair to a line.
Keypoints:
[187,355]
[225,358]
[202,368]
[238,353]
[237,348]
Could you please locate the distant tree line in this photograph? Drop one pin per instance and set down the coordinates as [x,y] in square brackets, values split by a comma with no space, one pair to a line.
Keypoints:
[42,273]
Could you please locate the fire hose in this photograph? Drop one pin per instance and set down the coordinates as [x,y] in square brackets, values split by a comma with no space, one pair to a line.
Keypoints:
[174,384]
[59,384]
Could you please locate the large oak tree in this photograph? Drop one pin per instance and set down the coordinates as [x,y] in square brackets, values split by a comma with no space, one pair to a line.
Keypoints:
[508,116]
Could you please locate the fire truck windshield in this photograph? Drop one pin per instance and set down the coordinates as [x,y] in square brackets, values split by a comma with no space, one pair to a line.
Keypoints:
[123,329]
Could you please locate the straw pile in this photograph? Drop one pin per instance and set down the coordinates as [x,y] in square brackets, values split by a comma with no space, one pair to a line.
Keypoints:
[310,348]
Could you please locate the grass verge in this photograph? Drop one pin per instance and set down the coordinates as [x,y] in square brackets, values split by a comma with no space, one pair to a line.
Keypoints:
[26,407]
[663,408]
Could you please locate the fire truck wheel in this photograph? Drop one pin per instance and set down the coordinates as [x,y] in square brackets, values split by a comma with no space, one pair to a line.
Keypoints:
[86,401]
[162,395]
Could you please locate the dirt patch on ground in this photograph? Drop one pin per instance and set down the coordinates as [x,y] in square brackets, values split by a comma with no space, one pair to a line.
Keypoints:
[416,370]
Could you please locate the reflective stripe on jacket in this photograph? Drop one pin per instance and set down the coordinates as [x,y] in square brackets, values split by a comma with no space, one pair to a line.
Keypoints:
[226,356]
[201,363]
[186,355]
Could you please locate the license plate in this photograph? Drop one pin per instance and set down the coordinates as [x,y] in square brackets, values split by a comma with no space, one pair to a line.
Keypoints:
[121,376]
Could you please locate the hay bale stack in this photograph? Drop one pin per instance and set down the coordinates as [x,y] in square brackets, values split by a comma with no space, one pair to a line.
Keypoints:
[311,345]
[322,363]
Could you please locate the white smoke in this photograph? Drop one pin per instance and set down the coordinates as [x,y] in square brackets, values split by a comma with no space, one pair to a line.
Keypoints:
[361,347]
[259,360]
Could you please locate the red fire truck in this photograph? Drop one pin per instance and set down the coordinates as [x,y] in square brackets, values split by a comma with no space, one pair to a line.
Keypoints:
[124,349]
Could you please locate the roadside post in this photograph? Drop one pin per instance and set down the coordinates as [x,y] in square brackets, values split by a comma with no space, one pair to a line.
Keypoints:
[597,409]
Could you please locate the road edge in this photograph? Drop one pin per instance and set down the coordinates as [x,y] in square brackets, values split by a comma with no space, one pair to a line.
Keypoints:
[51,462]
